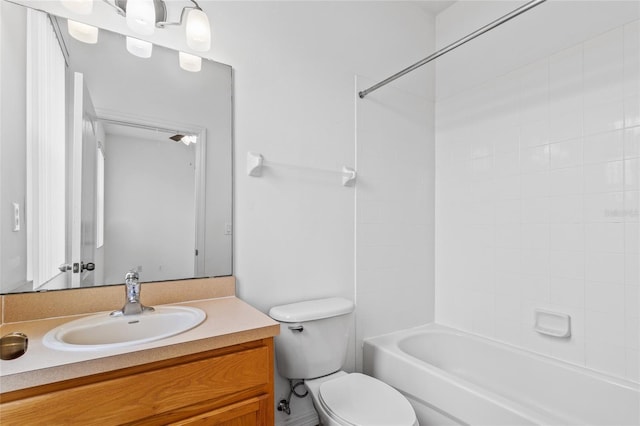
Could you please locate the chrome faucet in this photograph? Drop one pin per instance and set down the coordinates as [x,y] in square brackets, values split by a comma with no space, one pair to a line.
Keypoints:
[133,305]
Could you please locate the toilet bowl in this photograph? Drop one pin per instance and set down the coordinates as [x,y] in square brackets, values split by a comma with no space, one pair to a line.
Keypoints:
[343,399]
[312,346]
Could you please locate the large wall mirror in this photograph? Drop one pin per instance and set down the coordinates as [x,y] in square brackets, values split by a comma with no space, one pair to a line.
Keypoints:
[109,162]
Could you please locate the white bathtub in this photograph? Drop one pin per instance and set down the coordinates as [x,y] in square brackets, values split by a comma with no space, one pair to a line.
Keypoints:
[452,377]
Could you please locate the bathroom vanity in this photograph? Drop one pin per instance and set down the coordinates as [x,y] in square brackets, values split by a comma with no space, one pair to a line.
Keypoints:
[220,372]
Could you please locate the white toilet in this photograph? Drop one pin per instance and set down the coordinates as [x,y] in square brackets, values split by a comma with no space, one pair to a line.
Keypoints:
[312,346]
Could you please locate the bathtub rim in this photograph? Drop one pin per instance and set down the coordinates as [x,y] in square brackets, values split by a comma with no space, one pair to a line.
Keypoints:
[388,346]
[434,328]
[531,415]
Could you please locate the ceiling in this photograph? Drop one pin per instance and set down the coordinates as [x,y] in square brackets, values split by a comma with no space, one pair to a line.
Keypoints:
[435,6]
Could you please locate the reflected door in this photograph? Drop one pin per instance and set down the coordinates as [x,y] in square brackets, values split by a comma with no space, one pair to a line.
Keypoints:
[83,186]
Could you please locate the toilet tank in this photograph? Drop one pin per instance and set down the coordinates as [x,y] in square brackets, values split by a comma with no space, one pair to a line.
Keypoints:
[313,337]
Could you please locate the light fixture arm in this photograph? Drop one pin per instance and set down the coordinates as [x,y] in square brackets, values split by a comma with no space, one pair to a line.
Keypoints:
[184,9]
[116,6]
[120,6]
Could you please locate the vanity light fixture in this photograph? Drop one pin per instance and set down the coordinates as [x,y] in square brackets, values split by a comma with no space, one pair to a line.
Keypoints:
[143,16]
[198,30]
[190,62]
[139,48]
[83,32]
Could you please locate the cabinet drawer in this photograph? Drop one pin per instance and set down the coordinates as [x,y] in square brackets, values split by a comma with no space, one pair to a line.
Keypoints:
[251,412]
[150,393]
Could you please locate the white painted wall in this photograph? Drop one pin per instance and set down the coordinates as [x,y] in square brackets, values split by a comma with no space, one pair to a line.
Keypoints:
[12,145]
[537,137]
[394,210]
[149,208]
[298,231]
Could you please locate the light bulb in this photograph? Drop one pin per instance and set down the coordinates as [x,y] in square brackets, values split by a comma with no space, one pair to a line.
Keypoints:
[198,31]
[81,7]
[139,48]
[190,62]
[83,32]
[189,139]
[141,16]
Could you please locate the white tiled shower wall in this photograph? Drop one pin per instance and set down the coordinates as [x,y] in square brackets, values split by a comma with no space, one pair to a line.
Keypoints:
[537,175]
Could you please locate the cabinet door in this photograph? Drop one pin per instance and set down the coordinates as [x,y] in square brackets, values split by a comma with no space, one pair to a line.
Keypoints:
[251,412]
[155,394]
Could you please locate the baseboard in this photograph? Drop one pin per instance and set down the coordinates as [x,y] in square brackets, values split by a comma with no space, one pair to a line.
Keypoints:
[309,418]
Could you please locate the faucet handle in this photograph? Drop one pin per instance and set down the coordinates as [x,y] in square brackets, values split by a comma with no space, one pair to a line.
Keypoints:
[131,275]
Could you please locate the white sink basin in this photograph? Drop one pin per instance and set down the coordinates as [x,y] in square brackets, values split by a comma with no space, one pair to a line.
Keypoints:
[103,331]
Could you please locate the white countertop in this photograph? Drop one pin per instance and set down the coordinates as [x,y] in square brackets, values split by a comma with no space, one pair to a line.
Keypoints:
[229,321]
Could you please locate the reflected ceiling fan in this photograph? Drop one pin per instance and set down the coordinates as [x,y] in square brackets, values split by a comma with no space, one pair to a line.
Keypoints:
[185,139]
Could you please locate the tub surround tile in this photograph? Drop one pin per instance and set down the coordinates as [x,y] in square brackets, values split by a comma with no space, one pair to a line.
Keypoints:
[569,292]
[631,211]
[632,57]
[632,332]
[632,174]
[566,226]
[632,270]
[565,126]
[605,267]
[604,207]
[632,358]
[566,181]
[605,237]
[632,238]
[631,299]
[567,264]
[604,66]
[606,329]
[632,142]
[566,153]
[566,209]
[601,118]
[604,177]
[566,237]
[534,159]
[632,111]
[603,147]
[606,298]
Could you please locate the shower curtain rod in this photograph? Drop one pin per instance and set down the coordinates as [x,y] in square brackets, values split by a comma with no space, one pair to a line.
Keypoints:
[454,45]
[141,126]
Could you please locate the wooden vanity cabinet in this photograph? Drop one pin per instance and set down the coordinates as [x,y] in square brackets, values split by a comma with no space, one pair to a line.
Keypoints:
[231,386]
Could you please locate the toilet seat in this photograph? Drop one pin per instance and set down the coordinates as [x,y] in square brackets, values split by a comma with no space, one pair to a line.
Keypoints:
[357,399]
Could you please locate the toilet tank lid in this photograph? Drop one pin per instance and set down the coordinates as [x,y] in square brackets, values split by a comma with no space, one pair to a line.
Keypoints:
[312,310]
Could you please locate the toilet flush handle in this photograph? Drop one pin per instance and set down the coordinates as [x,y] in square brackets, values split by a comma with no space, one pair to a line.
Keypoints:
[297,328]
